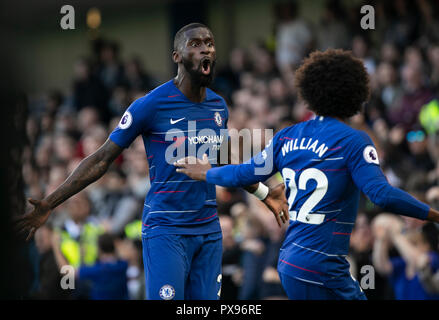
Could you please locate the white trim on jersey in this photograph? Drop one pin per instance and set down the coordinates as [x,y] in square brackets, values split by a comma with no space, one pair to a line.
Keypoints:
[320,211]
[321,252]
[176,131]
[173,211]
[314,282]
[342,222]
[175,181]
[328,159]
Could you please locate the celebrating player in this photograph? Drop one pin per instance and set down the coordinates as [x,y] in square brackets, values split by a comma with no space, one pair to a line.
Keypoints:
[182,246]
[325,164]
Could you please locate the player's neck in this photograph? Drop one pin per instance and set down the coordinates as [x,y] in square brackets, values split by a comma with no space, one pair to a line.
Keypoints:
[191,90]
[336,118]
[341,120]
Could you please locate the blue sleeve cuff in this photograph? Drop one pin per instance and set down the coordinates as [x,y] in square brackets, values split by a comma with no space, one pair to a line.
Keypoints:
[119,143]
[222,176]
[399,201]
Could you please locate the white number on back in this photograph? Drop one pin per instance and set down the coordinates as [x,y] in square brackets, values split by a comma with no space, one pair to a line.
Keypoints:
[304,215]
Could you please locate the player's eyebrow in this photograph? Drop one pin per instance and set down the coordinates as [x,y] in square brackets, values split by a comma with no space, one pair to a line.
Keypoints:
[200,36]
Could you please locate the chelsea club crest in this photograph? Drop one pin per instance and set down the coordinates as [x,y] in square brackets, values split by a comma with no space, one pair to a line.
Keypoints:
[218,119]
[167,292]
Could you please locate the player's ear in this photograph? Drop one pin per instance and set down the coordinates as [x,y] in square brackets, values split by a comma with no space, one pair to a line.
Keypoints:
[176,56]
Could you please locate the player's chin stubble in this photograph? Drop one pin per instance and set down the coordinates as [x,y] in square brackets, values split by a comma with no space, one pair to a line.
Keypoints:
[197,77]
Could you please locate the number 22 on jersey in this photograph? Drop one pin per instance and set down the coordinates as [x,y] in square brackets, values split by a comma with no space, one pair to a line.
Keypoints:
[305,214]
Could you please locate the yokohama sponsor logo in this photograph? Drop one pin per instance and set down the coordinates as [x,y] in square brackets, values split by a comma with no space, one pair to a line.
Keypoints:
[205,139]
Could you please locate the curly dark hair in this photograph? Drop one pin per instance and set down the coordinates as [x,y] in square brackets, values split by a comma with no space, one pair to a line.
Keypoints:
[334,83]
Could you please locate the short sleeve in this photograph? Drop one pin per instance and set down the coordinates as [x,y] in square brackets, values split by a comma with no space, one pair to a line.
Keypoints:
[137,119]
[363,163]
[366,173]
[226,109]
[363,153]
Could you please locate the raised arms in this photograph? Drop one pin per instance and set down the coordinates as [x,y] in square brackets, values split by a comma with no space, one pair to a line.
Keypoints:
[88,171]
[433,215]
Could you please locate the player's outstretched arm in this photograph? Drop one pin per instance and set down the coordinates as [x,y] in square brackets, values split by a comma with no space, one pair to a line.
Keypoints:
[398,201]
[433,215]
[230,176]
[88,171]
[369,178]
[278,204]
[194,168]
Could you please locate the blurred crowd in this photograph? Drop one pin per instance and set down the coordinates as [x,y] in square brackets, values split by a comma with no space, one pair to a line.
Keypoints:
[101,224]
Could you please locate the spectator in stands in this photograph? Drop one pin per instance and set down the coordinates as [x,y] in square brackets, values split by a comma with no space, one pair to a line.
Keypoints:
[137,170]
[414,250]
[293,37]
[231,265]
[64,147]
[429,278]
[88,117]
[130,250]
[416,94]
[361,50]
[110,70]
[253,248]
[333,30]
[79,232]
[433,58]
[49,277]
[419,156]
[107,277]
[136,78]
[388,85]
[360,255]
[88,89]
[117,205]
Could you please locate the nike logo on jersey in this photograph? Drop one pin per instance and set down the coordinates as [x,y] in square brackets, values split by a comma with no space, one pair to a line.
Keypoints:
[175,121]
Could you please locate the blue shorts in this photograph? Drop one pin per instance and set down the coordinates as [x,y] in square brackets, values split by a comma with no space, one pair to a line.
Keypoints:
[301,290]
[183,267]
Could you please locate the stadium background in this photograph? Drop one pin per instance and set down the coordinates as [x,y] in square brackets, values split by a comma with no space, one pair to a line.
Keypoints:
[77,83]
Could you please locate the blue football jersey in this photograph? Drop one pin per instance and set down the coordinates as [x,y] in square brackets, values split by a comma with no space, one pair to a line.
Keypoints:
[324,164]
[318,160]
[173,127]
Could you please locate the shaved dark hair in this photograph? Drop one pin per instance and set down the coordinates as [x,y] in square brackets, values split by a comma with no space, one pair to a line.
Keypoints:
[179,36]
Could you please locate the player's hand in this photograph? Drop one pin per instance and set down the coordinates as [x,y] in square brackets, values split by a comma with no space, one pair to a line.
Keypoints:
[30,222]
[194,167]
[278,204]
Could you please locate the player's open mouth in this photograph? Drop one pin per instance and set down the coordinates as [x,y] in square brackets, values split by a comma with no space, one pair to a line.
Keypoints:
[205,66]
